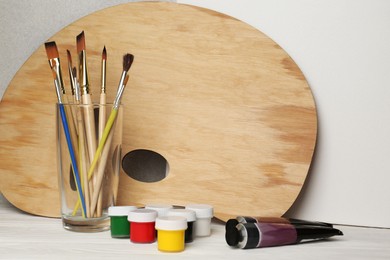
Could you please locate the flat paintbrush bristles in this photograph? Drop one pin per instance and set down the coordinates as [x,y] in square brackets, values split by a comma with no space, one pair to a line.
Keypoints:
[80,39]
[83,71]
[127,61]
[51,50]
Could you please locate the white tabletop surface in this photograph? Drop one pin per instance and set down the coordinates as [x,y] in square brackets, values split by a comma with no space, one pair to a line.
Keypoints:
[24,236]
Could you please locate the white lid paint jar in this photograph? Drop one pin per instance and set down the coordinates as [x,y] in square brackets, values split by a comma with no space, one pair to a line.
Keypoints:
[120,227]
[162,209]
[204,214]
[190,216]
[171,233]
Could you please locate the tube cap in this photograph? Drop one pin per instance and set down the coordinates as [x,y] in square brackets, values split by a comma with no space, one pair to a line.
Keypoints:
[120,210]
[171,223]
[231,223]
[201,210]
[142,215]
[232,236]
[190,215]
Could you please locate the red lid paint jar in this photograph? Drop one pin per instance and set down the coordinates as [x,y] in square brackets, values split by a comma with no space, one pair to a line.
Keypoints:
[142,225]
[120,227]
[171,233]
[190,216]
[204,214]
[162,209]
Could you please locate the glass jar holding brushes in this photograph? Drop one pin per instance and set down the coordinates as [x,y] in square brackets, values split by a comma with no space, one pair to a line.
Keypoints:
[89,137]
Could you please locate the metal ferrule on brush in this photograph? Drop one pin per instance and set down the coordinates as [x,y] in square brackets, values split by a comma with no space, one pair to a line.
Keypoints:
[121,87]
[103,89]
[55,65]
[71,79]
[77,94]
[83,73]
[58,91]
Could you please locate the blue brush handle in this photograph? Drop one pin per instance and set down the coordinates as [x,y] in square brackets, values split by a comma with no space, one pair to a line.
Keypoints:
[72,156]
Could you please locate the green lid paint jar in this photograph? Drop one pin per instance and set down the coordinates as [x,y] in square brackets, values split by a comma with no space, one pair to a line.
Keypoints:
[120,227]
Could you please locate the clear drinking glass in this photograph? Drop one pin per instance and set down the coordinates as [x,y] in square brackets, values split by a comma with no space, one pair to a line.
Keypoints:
[89,139]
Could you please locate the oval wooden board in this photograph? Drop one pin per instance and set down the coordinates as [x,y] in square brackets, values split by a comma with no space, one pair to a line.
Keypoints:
[224,104]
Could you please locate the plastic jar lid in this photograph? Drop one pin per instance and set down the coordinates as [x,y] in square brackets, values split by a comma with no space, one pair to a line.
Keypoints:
[161,209]
[201,210]
[142,215]
[171,223]
[190,215]
[120,210]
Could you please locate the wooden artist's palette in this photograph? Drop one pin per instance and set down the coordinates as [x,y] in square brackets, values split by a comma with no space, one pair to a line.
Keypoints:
[225,106]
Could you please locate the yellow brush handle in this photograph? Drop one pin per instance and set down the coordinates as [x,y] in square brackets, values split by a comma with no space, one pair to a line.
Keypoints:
[107,129]
[100,174]
[102,166]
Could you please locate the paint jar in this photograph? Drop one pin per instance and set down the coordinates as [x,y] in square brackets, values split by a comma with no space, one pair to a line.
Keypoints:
[120,227]
[142,222]
[161,209]
[190,216]
[204,214]
[171,233]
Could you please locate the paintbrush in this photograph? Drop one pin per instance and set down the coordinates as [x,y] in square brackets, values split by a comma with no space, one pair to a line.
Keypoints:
[55,65]
[86,99]
[54,62]
[102,118]
[72,87]
[105,141]
[81,145]
[70,69]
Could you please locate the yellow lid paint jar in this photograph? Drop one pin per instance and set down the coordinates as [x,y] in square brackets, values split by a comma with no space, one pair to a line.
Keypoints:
[171,230]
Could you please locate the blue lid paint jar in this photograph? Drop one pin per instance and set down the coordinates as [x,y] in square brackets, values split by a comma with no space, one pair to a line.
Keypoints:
[204,214]
[190,216]
[120,227]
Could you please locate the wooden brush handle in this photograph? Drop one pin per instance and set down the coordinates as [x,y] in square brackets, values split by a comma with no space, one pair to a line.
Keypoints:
[89,122]
[83,161]
[102,123]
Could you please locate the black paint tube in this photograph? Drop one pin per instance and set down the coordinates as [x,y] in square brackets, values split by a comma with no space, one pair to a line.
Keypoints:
[256,235]
[231,223]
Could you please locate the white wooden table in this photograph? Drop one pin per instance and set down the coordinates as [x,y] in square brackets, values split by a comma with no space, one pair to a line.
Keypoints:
[23,236]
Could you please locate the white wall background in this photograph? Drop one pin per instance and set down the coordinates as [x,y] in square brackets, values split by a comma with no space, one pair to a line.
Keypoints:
[342,47]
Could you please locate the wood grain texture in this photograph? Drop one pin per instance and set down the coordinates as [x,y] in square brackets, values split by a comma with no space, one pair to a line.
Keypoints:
[226,106]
